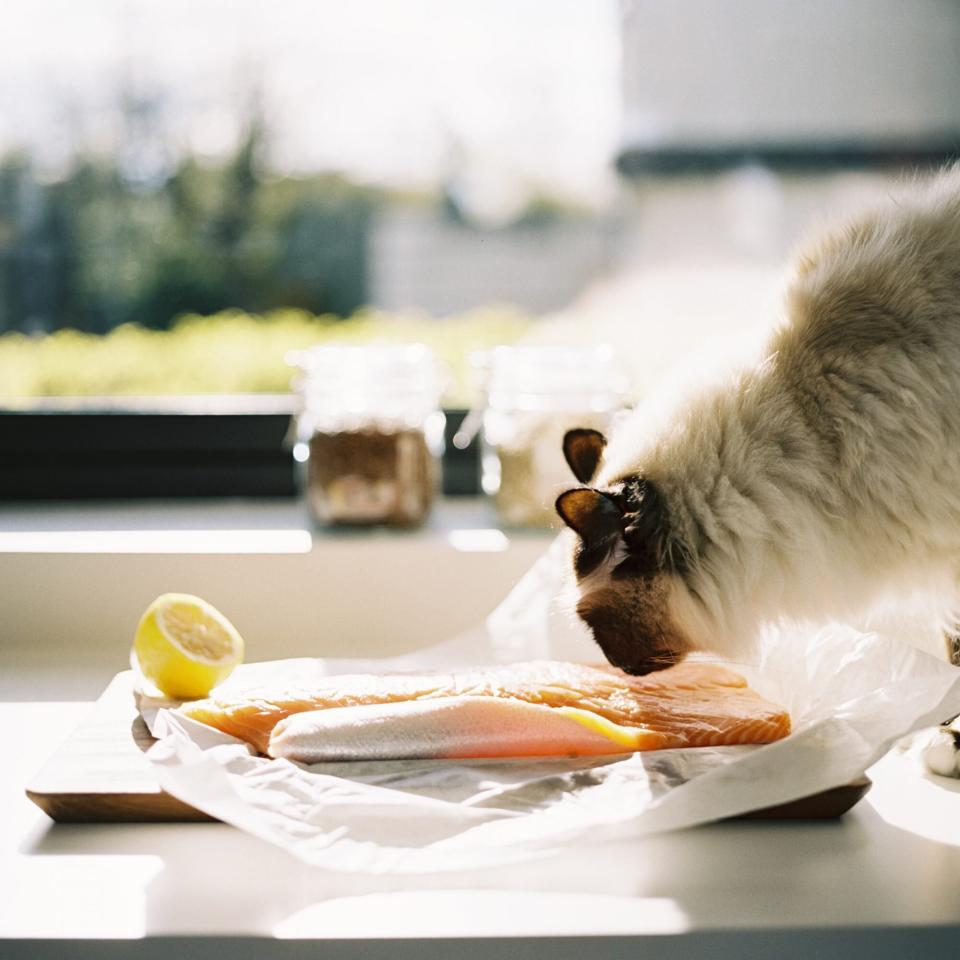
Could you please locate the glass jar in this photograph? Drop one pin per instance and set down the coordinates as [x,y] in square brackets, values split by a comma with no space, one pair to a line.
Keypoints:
[534,395]
[369,432]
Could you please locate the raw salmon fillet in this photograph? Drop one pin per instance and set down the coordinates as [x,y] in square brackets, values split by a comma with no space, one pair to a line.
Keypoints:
[538,708]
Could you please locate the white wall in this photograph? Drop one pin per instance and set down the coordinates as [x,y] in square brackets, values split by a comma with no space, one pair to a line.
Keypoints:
[720,71]
[419,260]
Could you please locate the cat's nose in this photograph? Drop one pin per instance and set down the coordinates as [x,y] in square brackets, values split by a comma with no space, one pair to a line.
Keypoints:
[634,658]
[625,643]
[644,667]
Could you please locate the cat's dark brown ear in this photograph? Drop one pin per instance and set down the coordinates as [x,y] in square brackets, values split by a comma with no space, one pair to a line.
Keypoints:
[590,513]
[583,449]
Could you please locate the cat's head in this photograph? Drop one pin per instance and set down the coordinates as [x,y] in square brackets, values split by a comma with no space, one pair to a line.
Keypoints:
[627,563]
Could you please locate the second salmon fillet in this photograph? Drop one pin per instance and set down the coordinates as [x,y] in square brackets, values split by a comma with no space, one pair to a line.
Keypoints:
[538,708]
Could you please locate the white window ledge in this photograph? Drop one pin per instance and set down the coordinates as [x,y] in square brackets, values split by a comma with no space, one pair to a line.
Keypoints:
[75,579]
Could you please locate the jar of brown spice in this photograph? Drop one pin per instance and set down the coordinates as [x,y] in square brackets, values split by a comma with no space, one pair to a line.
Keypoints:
[369,432]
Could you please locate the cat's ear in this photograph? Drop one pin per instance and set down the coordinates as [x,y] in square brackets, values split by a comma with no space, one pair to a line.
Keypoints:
[590,513]
[582,449]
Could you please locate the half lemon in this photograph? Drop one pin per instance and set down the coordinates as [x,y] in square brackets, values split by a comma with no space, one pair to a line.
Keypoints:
[185,646]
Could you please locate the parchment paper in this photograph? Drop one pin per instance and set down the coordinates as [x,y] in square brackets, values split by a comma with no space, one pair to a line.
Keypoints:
[851,695]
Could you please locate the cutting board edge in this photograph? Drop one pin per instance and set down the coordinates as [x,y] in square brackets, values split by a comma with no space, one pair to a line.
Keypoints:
[119,807]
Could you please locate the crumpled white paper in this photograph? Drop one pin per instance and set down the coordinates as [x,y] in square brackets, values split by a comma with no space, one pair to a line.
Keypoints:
[850,695]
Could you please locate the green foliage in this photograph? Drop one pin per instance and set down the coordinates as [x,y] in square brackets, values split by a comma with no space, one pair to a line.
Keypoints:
[97,249]
[232,352]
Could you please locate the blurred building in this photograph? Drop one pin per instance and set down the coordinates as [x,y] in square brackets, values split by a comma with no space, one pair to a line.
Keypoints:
[749,126]
[746,121]
[424,259]
[707,83]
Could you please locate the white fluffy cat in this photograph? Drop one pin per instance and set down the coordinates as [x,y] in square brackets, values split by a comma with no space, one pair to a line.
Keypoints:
[807,483]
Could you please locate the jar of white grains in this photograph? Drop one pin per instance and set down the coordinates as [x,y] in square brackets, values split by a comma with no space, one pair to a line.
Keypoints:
[534,395]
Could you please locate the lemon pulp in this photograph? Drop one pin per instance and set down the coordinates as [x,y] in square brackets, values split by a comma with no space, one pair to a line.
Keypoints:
[185,646]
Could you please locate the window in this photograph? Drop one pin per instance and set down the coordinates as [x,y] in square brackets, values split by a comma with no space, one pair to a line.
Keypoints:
[190,190]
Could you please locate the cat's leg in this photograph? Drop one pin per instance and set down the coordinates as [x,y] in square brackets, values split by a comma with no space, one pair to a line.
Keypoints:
[939,748]
[952,639]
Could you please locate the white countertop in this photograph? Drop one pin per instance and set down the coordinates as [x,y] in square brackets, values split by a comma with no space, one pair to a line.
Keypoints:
[883,881]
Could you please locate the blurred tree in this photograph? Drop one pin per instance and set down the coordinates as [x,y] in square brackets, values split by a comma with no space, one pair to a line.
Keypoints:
[102,247]
[37,280]
[323,228]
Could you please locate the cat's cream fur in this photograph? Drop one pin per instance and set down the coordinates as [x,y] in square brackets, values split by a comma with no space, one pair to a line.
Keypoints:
[825,472]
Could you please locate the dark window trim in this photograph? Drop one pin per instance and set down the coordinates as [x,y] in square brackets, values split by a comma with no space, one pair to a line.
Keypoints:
[122,449]
[636,160]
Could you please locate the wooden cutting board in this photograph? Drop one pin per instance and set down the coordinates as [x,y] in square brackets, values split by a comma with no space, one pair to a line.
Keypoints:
[100,774]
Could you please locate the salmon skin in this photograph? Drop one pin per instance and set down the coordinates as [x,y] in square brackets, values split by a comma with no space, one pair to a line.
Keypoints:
[538,708]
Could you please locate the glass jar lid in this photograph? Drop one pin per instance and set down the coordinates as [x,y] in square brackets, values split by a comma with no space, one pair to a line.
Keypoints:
[375,381]
[555,377]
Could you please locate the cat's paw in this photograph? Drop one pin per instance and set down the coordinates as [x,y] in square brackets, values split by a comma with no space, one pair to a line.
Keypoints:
[938,749]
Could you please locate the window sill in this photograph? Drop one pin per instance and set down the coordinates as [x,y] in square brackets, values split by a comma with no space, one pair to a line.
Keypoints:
[77,577]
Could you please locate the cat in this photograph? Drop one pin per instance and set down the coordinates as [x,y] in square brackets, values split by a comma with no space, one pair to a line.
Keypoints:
[816,477]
